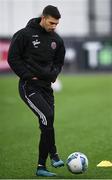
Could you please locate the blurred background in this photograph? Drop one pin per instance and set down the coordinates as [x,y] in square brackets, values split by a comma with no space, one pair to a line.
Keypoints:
[86,27]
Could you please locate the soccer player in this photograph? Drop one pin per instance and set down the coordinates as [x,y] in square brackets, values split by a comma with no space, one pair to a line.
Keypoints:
[36,55]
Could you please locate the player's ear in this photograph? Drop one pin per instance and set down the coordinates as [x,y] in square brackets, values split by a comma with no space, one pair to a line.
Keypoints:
[43,17]
[42,20]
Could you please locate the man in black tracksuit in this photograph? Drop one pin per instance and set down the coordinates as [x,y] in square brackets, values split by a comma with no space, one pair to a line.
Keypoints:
[36,55]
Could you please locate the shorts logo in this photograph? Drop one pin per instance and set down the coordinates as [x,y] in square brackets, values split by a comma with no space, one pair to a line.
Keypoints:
[53,45]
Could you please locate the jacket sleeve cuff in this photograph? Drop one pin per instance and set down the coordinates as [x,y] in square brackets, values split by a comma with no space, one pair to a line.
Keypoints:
[27,76]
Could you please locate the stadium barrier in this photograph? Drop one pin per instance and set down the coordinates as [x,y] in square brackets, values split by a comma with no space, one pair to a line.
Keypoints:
[88,54]
[4,46]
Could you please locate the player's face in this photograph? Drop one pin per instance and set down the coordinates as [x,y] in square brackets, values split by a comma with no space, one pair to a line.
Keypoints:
[49,23]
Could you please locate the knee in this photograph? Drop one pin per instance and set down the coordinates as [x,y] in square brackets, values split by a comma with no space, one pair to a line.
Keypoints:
[49,115]
[46,121]
[46,129]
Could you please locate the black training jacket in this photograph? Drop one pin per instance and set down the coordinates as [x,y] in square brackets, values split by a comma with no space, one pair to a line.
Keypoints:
[35,52]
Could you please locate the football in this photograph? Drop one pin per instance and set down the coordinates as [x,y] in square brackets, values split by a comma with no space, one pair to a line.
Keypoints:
[77,163]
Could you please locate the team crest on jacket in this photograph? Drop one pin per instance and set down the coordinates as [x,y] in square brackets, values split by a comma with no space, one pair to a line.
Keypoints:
[53,45]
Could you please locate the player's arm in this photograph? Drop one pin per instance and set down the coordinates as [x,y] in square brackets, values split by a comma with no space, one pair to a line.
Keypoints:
[15,56]
[56,67]
[58,62]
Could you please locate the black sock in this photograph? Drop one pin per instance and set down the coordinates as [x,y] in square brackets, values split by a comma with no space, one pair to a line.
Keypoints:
[55,157]
[41,166]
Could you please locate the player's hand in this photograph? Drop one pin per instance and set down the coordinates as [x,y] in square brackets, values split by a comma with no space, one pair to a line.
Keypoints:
[34,78]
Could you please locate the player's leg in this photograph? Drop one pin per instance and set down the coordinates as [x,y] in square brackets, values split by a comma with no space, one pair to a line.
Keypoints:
[42,109]
[55,160]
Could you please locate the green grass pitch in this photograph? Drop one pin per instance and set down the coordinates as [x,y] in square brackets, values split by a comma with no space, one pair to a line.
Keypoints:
[83,122]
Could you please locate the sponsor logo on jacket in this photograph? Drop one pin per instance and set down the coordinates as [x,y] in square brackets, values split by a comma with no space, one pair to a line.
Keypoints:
[36,43]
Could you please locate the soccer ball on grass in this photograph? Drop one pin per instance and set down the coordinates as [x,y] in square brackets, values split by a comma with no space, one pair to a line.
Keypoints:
[77,163]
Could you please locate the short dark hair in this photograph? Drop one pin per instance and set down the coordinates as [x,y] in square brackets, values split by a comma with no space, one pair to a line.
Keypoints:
[51,11]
